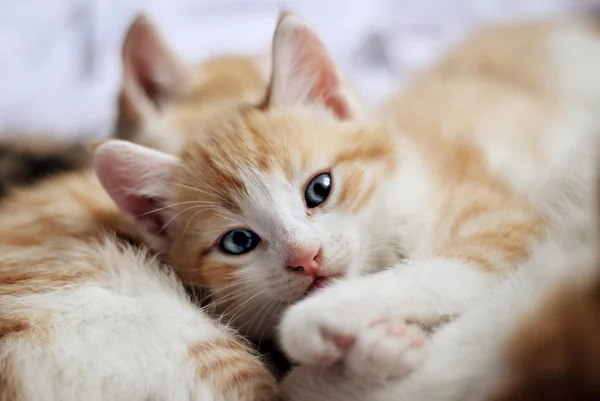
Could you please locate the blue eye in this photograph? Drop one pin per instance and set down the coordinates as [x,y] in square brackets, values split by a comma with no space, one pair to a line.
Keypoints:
[239,241]
[317,190]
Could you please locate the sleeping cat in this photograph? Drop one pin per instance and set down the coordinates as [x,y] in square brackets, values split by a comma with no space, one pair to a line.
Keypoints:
[86,311]
[408,223]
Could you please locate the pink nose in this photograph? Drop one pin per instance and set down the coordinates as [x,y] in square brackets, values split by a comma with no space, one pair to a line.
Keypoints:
[305,260]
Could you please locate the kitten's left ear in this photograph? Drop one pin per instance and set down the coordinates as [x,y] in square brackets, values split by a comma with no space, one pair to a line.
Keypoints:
[304,72]
[137,179]
[152,73]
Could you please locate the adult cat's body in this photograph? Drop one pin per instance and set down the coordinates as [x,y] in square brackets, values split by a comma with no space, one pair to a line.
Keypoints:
[483,159]
[86,313]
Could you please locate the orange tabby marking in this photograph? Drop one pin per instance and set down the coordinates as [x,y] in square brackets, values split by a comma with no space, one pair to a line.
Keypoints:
[64,248]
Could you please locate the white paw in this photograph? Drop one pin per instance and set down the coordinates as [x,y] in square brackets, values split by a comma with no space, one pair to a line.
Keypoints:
[317,333]
[324,330]
[389,348]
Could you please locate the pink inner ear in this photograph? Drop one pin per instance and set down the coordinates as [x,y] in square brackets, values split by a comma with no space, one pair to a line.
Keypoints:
[327,82]
[135,179]
[308,57]
[146,212]
[326,90]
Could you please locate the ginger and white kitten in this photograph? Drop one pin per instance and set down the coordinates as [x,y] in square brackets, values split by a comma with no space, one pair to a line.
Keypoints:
[161,94]
[409,223]
[87,315]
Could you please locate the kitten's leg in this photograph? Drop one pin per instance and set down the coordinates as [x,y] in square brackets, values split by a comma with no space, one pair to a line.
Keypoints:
[460,355]
[374,323]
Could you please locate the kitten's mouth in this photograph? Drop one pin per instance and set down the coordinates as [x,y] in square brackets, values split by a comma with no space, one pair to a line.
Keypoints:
[321,282]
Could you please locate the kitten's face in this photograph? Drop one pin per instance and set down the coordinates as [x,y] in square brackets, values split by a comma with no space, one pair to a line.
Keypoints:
[274,206]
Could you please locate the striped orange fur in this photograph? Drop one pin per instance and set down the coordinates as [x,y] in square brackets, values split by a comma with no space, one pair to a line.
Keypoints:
[81,296]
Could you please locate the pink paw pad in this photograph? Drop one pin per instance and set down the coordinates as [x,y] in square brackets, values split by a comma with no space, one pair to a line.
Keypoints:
[344,342]
[396,328]
[388,348]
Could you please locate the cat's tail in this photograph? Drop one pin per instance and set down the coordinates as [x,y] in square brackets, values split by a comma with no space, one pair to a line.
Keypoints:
[25,161]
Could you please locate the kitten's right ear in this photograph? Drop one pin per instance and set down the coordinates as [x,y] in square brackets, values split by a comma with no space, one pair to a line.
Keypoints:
[152,74]
[303,71]
[137,179]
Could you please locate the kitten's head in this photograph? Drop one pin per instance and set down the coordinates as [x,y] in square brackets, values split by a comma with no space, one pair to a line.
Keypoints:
[269,202]
[160,92]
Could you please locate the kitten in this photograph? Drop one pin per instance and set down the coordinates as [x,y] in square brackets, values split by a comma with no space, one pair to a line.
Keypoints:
[87,313]
[161,94]
[408,224]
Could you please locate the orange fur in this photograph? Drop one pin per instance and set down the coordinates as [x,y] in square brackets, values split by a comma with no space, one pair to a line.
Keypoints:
[53,235]
[480,88]
[230,356]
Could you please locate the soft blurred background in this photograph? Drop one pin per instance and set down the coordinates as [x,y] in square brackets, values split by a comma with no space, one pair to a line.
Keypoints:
[59,59]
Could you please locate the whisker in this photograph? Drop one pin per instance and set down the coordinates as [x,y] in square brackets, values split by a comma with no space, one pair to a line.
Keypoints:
[183,211]
[170,206]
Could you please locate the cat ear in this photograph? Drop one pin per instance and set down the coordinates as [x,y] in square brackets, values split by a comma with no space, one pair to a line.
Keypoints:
[304,72]
[137,178]
[152,73]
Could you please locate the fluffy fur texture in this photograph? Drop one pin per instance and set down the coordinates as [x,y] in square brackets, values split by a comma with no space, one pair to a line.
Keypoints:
[480,160]
[87,313]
